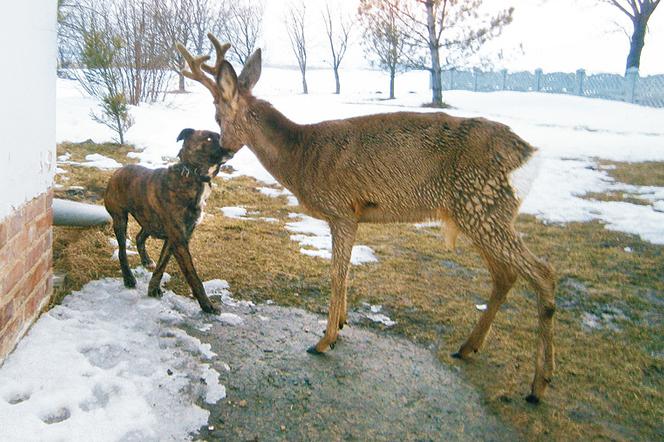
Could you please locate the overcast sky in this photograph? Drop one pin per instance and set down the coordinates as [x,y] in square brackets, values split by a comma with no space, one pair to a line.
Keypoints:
[556,35]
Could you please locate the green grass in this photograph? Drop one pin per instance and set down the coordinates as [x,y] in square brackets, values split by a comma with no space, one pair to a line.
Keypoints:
[609,382]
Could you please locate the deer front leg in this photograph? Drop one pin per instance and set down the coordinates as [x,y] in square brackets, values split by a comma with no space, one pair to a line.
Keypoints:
[343,237]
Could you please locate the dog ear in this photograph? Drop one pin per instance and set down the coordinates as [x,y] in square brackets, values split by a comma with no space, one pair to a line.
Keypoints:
[186,133]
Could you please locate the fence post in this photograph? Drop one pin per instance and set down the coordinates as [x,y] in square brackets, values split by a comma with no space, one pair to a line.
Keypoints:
[580,78]
[452,78]
[538,79]
[504,72]
[631,77]
[476,73]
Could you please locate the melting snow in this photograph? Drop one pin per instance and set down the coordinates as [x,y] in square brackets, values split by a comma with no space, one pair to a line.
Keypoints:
[570,132]
[314,234]
[110,363]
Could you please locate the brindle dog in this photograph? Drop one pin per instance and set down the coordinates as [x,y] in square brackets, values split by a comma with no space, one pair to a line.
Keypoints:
[168,203]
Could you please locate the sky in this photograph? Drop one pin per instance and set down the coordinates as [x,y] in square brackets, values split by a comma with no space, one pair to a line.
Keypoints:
[555,35]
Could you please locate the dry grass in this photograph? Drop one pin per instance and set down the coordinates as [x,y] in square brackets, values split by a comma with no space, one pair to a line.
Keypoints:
[650,173]
[609,383]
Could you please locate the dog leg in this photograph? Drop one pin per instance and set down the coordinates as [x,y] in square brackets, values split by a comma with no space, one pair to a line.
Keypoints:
[120,229]
[181,251]
[154,289]
[146,262]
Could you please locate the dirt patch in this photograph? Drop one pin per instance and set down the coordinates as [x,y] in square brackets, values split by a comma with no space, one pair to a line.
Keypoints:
[370,387]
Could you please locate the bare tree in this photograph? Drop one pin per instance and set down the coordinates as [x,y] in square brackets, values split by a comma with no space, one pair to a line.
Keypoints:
[172,18]
[383,37]
[338,31]
[639,12]
[241,26]
[295,27]
[455,26]
[205,16]
[140,61]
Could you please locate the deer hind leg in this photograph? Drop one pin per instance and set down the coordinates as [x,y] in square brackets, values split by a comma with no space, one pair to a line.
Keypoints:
[503,279]
[541,277]
[503,246]
[343,237]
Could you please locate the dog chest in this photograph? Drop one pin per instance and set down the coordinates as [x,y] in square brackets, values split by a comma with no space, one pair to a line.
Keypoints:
[202,199]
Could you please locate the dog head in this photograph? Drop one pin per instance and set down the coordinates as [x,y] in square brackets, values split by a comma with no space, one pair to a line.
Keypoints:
[201,149]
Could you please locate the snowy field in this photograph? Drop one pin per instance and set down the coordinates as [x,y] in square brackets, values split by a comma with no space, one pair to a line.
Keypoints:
[572,133]
[112,364]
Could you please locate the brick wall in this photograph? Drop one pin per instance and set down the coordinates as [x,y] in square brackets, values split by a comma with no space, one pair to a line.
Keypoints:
[26,260]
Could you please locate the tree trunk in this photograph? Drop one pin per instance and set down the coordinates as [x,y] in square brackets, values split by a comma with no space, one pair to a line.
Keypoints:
[436,80]
[636,43]
[305,89]
[392,75]
[336,80]
[181,83]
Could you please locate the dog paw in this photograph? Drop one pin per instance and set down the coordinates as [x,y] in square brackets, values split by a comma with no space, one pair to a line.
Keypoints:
[211,309]
[149,265]
[155,292]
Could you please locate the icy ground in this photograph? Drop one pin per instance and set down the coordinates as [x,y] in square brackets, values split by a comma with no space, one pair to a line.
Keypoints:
[572,133]
[111,364]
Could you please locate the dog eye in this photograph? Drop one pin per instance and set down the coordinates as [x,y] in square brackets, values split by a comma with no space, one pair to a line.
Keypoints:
[209,139]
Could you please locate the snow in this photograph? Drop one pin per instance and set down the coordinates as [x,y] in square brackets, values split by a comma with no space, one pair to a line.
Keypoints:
[374,314]
[572,134]
[314,234]
[112,363]
[234,212]
[275,193]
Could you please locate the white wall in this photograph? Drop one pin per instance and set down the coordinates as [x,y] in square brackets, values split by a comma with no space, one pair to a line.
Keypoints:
[27,100]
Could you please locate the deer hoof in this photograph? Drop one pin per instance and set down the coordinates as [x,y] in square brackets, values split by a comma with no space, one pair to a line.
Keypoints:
[532,399]
[314,351]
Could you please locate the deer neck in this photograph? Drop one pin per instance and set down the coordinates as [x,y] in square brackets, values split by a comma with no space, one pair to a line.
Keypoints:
[276,141]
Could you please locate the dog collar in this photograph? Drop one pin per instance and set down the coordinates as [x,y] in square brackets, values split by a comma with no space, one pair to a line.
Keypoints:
[185,170]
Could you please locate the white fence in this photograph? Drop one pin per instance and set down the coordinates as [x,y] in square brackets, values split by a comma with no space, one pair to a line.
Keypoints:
[646,91]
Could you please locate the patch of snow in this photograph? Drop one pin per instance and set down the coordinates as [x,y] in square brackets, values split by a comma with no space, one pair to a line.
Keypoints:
[571,134]
[274,193]
[658,206]
[381,319]
[100,162]
[131,372]
[234,212]
[230,319]
[315,238]
[245,163]
[220,287]
[374,314]
[428,224]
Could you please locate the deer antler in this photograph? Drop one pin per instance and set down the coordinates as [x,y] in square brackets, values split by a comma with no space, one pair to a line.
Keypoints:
[196,73]
[221,52]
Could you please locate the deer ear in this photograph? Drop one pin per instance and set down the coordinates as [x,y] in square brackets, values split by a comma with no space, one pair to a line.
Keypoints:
[227,82]
[251,72]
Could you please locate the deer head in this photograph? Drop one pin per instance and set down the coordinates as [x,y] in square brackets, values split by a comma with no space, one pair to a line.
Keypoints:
[230,91]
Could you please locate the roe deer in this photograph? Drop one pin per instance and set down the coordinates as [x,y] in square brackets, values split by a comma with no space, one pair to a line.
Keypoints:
[397,167]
